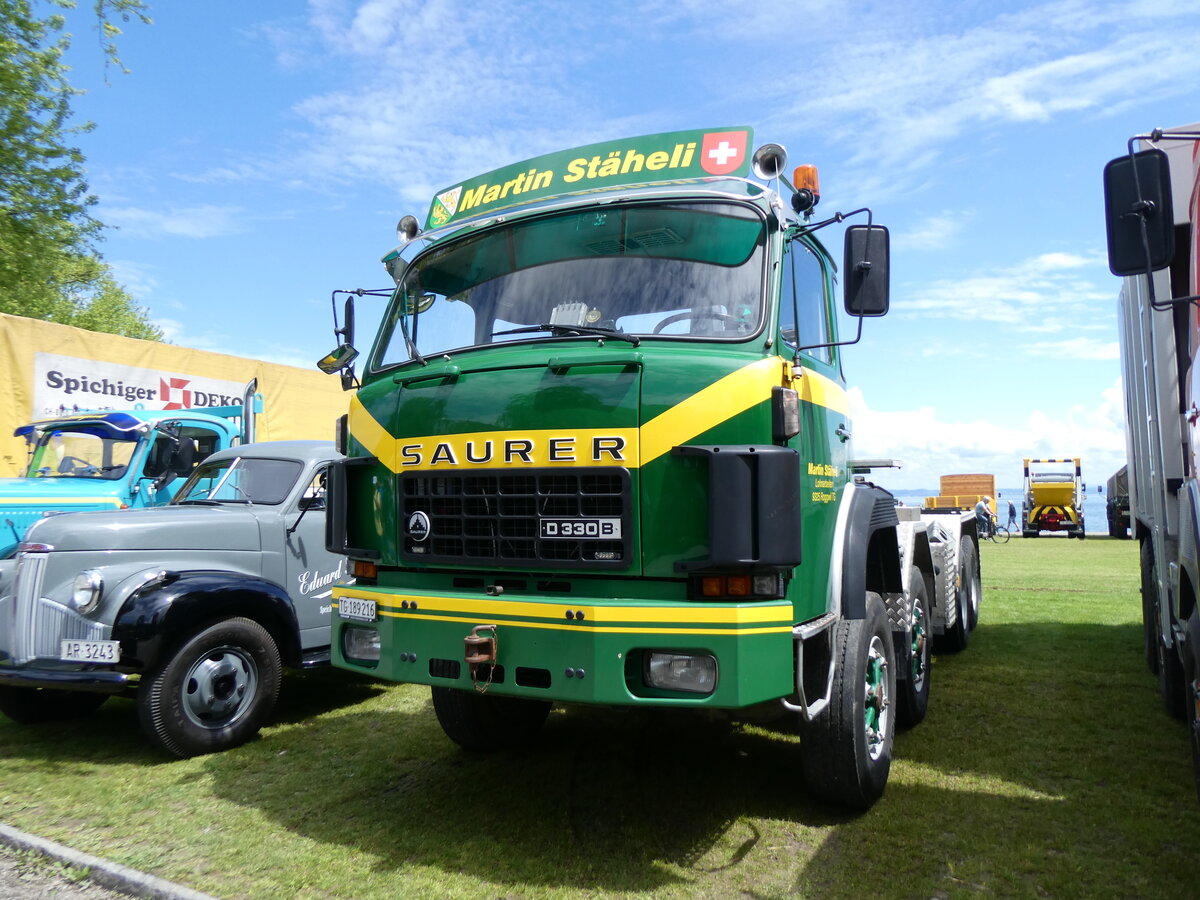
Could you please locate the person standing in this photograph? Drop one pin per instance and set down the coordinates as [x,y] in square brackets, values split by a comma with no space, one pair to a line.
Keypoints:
[1012,515]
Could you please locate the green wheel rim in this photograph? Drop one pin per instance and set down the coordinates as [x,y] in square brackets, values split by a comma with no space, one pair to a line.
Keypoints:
[877,703]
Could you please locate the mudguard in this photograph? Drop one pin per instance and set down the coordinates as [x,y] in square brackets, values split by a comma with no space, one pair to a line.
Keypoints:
[870,552]
[166,610]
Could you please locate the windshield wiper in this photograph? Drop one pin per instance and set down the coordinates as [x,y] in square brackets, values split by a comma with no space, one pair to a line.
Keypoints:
[574,329]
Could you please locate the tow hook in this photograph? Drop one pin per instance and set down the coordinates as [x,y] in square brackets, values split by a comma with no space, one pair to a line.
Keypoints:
[480,654]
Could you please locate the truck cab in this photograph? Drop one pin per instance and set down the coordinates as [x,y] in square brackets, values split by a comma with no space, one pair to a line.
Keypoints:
[113,460]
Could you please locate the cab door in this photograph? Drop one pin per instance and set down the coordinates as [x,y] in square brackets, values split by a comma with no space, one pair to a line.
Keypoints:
[807,332]
[311,570]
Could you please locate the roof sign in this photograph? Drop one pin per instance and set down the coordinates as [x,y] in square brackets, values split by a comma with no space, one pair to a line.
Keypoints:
[637,160]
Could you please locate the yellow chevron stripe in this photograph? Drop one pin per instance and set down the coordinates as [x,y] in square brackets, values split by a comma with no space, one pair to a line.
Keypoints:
[720,401]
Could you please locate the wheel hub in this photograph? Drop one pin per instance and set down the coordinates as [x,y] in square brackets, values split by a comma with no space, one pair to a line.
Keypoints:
[219,686]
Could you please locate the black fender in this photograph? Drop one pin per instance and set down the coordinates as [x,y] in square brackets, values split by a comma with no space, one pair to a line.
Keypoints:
[166,611]
[870,549]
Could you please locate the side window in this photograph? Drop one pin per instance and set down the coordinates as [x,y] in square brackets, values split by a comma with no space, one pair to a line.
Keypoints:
[314,495]
[804,307]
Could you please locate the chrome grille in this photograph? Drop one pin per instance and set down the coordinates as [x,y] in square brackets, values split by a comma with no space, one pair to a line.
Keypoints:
[32,626]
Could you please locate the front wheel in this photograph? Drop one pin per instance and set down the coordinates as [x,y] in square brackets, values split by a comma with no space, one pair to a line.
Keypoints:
[846,752]
[913,691]
[33,706]
[214,692]
[1001,535]
[485,722]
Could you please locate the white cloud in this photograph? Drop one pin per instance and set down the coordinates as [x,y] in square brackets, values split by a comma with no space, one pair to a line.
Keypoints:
[1074,348]
[932,445]
[933,233]
[1047,293]
[190,222]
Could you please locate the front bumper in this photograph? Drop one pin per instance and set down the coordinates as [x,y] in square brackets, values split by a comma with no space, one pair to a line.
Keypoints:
[96,681]
[581,649]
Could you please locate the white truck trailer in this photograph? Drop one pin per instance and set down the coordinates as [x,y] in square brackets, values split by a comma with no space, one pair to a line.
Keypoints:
[1152,210]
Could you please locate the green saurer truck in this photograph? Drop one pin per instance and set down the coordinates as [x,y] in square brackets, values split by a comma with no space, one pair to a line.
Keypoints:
[600,453]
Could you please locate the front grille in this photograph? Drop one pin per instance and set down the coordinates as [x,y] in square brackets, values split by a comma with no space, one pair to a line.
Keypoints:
[32,626]
[555,517]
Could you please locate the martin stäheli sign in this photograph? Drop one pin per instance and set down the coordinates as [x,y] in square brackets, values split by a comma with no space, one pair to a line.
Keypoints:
[655,157]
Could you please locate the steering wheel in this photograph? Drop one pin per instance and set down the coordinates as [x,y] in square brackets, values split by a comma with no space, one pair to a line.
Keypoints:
[69,464]
[693,314]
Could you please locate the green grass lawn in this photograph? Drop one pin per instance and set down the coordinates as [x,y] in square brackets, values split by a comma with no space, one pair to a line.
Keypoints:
[1046,767]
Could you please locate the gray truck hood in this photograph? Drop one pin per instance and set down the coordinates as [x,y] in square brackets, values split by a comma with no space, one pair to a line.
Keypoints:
[161,528]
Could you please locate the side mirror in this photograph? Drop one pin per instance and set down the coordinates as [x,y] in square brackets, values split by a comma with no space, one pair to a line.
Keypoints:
[1138,216]
[340,358]
[866,270]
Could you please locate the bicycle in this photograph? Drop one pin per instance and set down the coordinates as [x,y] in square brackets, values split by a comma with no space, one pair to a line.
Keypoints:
[995,532]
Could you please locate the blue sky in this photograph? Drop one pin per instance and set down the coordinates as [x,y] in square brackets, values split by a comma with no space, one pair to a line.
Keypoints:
[259,155]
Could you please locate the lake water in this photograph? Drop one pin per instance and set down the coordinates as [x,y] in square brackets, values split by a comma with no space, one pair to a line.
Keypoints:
[1095,514]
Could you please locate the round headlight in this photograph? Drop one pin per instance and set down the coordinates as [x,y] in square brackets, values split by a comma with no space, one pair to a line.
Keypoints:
[85,593]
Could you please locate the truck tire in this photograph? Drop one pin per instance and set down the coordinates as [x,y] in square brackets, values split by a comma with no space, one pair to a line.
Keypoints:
[213,692]
[968,552]
[958,635]
[846,752]
[1193,704]
[1149,607]
[33,706]
[1171,683]
[913,691]
[485,722]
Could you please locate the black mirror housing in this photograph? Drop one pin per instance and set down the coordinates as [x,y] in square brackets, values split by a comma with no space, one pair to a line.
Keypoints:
[866,270]
[1137,192]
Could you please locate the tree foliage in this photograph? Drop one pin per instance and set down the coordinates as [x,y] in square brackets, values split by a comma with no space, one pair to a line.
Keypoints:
[50,267]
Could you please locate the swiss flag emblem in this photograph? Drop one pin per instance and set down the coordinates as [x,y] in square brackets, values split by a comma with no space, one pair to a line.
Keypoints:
[168,386]
[723,152]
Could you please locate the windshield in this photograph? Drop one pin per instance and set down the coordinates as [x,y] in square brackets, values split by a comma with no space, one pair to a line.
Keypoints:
[240,480]
[76,454]
[673,271]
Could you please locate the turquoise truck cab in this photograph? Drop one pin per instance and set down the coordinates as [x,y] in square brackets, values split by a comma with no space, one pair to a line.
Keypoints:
[114,460]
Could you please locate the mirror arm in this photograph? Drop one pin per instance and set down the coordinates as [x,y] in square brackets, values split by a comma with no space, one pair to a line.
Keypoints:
[857,338]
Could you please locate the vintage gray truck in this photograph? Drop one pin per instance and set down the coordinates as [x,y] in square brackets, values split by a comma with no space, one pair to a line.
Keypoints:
[193,607]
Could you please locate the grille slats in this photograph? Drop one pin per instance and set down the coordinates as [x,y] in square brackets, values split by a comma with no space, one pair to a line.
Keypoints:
[33,626]
[498,517]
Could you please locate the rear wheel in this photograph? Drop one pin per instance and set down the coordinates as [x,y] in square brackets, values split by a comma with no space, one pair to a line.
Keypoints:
[1193,702]
[846,751]
[913,691]
[1170,677]
[33,706]
[1149,607]
[485,722]
[958,635]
